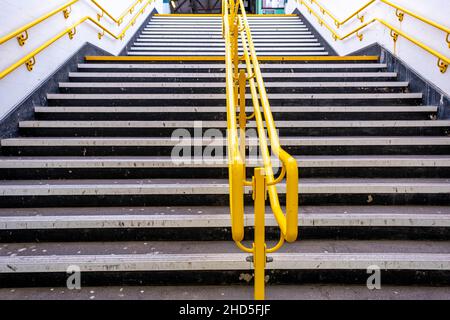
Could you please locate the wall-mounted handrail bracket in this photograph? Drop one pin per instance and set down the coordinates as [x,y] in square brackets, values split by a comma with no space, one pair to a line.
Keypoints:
[443,66]
[400,15]
[72,33]
[448,39]
[360,36]
[394,35]
[30,63]
[101,34]
[66,12]
[100,15]
[22,38]
[360,17]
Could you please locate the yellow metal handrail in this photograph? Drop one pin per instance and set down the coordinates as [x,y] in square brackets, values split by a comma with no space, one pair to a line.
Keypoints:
[401,11]
[29,60]
[443,61]
[22,32]
[118,20]
[263,182]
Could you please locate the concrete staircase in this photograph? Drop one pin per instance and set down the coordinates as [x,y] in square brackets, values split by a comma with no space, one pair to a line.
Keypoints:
[90,180]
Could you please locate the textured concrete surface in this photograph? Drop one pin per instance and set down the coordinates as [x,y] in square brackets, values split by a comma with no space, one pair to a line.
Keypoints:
[297,292]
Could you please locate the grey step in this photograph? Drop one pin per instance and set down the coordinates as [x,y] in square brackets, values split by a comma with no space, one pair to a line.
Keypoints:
[266,75]
[220,53]
[291,141]
[272,96]
[167,162]
[119,85]
[151,44]
[37,188]
[214,24]
[199,110]
[217,217]
[155,40]
[188,66]
[230,292]
[218,29]
[181,34]
[219,36]
[117,257]
[222,124]
[274,48]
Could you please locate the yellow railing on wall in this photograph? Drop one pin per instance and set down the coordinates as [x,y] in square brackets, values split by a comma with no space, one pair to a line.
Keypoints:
[263,182]
[22,33]
[443,60]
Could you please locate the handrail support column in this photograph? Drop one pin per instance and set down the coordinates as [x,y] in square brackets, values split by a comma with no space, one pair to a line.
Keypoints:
[259,246]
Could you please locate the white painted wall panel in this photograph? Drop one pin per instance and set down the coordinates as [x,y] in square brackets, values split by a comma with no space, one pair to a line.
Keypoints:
[17,85]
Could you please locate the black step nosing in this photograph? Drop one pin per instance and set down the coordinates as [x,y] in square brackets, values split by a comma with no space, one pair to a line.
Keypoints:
[218,109]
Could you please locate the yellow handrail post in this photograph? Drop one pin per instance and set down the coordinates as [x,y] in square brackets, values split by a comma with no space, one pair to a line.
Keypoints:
[242,115]
[259,246]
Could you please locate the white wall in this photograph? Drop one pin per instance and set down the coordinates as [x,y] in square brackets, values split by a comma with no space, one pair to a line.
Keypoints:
[421,61]
[14,14]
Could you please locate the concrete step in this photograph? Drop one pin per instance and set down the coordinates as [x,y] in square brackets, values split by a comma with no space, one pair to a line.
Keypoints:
[287,128]
[196,87]
[198,99]
[205,24]
[231,292]
[221,53]
[217,217]
[218,29]
[418,145]
[219,36]
[223,124]
[280,37]
[218,41]
[170,187]
[181,34]
[220,45]
[12,168]
[167,162]
[208,77]
[219,256]
[204,113]
[159,192]
[208,67]
[275,48]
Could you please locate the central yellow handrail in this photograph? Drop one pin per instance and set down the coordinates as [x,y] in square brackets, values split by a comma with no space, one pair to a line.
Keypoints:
[30,59]
[443,60]
[263,182]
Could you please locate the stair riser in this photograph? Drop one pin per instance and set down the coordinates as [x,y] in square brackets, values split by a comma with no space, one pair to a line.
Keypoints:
[218,70]
[194,78]
[222,116]
[221,234]
[220,200]
[358,277]
[221,89]
[166,151]
[168,101]
[168,132]
[218,173]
